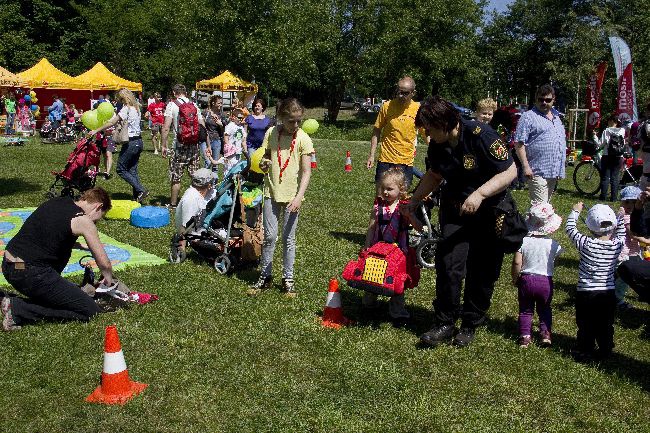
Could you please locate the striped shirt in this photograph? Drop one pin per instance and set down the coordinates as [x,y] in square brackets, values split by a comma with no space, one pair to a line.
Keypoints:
[598,258]
[545,142]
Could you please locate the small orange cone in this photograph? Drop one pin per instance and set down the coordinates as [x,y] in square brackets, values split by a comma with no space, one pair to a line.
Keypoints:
[116,387]
[348,162]
[313,161]
[333,313]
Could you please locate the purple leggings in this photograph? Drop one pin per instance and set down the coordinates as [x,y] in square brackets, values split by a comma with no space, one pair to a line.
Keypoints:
[535,290]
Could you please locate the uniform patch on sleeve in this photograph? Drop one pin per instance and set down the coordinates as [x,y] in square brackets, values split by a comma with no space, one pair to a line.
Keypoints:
[499,150]
[477,130]
[469,162]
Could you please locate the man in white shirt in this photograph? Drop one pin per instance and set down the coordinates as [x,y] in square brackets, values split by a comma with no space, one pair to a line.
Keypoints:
[181,156]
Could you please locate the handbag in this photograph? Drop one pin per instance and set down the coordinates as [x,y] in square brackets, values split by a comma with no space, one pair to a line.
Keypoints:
[509,226]
[121,130]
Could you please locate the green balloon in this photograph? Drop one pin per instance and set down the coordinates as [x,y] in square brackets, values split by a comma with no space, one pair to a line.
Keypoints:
[90,120]
[310,126]
[105,111]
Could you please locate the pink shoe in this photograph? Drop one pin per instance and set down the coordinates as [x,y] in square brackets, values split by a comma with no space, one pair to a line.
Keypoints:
[524,341]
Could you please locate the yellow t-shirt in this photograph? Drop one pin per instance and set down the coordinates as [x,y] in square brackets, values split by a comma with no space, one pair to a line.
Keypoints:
[397,123]
[285,191]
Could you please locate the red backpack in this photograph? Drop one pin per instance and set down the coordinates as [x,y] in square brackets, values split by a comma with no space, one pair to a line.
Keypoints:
[188,123]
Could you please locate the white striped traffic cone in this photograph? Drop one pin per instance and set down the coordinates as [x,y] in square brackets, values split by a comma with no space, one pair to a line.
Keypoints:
[116,386]
[333,313]
[348,162]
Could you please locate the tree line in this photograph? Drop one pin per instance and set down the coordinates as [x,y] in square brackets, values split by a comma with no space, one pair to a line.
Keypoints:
[320,49]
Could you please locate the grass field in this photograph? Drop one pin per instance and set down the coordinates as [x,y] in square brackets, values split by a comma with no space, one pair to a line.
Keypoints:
[218,361]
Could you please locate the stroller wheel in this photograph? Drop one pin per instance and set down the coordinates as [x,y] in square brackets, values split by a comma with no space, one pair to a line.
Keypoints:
[50,194]
[222,264]
[426,253]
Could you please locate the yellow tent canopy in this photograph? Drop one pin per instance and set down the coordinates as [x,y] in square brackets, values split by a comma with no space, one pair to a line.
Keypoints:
[44,75]
[99,77]
[7,79]
[227,82]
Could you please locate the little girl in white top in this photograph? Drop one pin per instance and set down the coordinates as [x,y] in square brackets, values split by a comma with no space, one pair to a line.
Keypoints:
[532,272]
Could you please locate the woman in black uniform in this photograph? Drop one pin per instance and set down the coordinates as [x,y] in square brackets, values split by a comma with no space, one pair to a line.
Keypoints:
[477,168]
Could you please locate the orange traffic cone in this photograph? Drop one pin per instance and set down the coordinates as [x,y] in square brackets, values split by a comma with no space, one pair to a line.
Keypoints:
[333,313]
[116,387]
[348,162]
[313,161]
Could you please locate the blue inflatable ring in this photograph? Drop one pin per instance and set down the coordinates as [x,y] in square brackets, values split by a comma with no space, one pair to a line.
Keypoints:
[150,217]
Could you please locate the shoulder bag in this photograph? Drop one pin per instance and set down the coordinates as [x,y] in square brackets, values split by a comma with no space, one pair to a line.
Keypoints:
[509,226]
[121,130]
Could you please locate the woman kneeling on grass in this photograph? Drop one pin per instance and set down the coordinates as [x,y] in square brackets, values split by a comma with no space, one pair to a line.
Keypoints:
[36,256]
[287,158]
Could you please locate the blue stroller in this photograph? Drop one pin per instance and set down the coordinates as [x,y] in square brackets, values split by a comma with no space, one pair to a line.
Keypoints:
[228,232]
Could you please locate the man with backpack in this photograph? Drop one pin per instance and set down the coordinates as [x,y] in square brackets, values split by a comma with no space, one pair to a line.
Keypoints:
[612,142]
[183,117]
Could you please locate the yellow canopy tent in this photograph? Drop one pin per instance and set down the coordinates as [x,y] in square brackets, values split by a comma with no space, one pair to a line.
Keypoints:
[44,75]
[99,77]
[7,79]
[227,82]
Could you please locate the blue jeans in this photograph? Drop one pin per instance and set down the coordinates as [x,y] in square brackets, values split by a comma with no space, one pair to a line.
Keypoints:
[9,127]
[127,165]
[384,166]
[215,147]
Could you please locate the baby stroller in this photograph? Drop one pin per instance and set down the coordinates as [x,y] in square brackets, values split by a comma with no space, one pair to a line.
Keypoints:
[229,232]
[62,134]
[79,172]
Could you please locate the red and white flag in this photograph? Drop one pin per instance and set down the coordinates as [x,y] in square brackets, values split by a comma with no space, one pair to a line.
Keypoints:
[594,101]
[625,96]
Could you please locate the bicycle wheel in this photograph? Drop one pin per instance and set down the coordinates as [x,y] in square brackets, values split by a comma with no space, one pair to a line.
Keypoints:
[586,178]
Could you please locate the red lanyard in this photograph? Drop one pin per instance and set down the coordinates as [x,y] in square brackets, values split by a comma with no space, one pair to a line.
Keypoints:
[286,163]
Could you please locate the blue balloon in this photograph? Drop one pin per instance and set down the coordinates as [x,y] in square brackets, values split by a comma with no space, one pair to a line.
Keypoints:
[27,98]
[34,107]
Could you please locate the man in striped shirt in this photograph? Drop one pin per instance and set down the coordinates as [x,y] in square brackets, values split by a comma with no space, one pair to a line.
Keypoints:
[541,146]
[595,295]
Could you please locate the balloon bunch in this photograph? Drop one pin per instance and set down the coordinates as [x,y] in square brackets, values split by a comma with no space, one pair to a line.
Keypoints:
[31,98]
[94,119]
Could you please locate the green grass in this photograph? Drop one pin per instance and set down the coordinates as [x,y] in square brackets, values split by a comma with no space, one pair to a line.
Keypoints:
[218,361]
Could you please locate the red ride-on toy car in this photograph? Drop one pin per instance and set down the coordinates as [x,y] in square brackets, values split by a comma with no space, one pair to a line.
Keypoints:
[382,269]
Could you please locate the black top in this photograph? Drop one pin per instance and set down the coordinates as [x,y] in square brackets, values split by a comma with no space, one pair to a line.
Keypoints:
[46,238]
[479,155]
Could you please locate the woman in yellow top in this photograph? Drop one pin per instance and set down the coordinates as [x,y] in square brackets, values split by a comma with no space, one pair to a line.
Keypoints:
[287,162]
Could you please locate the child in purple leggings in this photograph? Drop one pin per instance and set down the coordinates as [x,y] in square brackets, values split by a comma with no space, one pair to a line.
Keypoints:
[532,272]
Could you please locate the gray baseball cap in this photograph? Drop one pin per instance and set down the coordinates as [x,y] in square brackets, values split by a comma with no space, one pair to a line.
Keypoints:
[203,177]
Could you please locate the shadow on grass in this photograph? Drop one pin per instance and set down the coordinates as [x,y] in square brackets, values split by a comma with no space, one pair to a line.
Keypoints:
[15,185]
[617,364]
[420,321]
[355,238]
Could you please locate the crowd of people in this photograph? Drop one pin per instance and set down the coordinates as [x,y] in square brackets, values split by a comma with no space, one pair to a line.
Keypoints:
[471,166]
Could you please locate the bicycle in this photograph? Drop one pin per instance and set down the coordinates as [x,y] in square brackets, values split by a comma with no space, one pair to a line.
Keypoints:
[587,174]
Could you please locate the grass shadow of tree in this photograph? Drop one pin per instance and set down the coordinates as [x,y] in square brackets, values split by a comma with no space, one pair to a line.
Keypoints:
[617,364]
[15,185]
[355,238]
[420,321]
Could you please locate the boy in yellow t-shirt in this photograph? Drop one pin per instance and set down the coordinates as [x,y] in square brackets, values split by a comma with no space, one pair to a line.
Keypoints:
[287,160]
